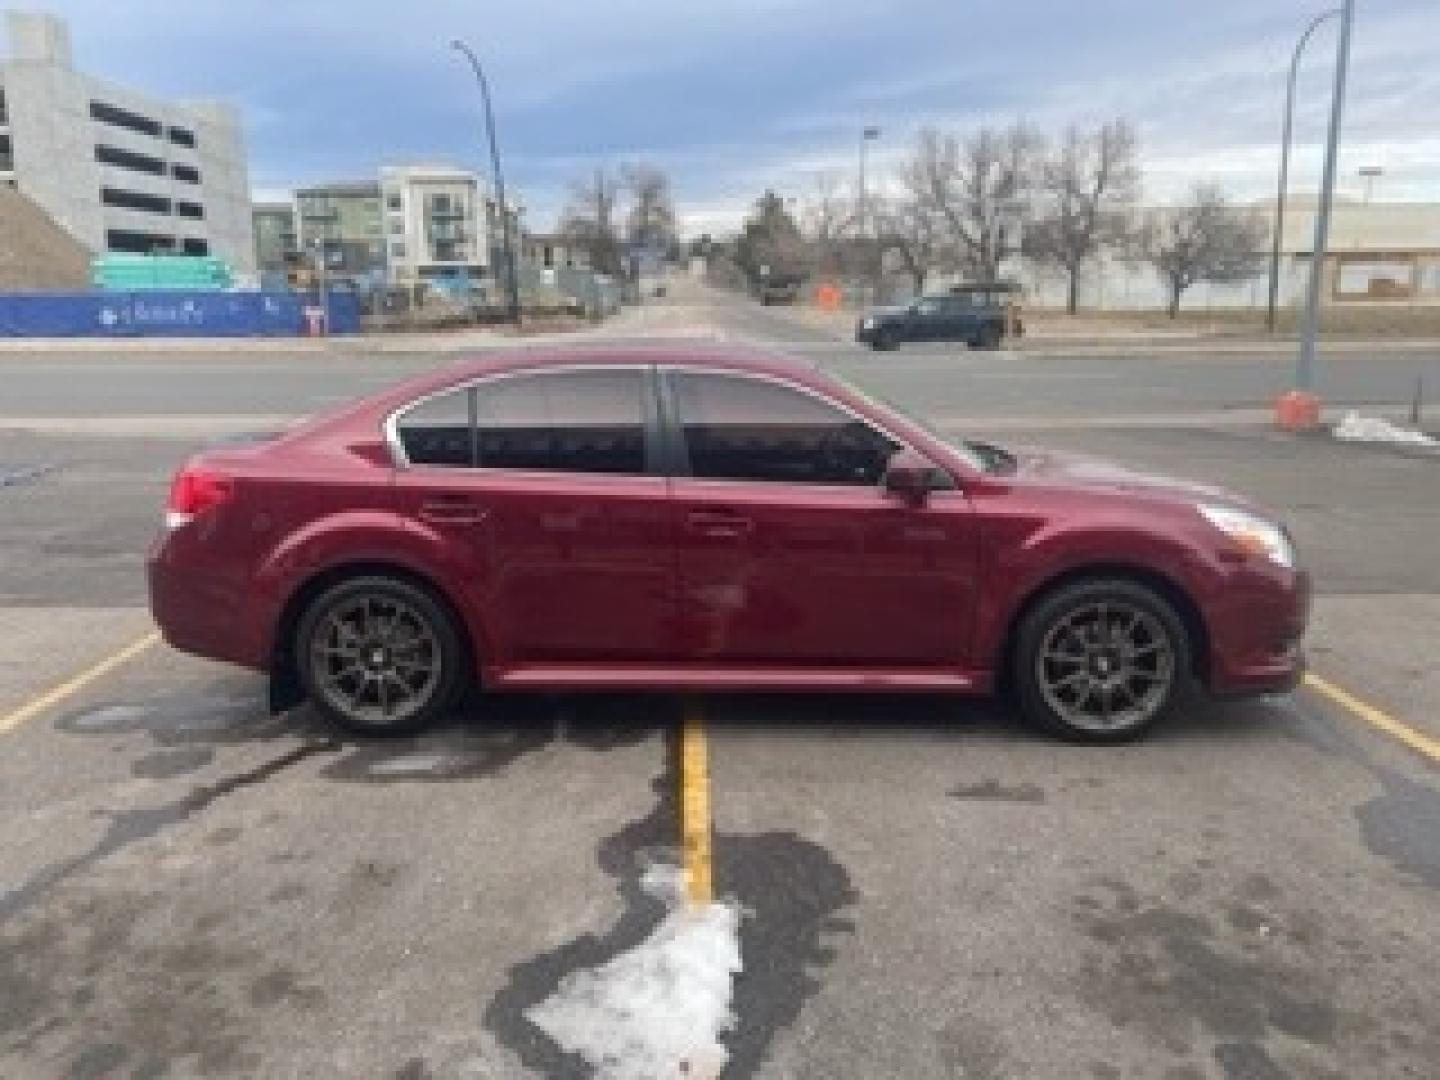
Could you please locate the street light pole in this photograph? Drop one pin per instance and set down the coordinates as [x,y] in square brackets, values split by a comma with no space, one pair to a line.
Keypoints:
[867,134]
[512,284]
[1288,126]
[1305,361]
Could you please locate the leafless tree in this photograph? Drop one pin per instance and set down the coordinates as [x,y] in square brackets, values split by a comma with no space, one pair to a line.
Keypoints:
[589,221]
[977,190]
[650,221]
[1208,239]
[827,221]
[1088,188]
[915,234]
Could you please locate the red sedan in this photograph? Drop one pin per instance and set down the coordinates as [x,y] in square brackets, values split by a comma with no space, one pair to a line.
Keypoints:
[652,519]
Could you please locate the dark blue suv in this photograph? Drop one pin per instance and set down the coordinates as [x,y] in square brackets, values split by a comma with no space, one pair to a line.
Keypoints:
[979,315]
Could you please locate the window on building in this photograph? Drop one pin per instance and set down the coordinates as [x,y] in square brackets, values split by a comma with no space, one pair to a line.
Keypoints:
[440,204]
[437,432]
[182,136]
[397,251]
[128,159]
[393,201]
[118,117]
[190,210]
[188,173]
[142,243]
[397,227]
[7,156]
[567,421]
[4,113]
[196,247]
[740,428]
[134,200]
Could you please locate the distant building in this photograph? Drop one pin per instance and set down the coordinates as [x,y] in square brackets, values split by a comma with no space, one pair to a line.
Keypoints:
[437,224]
[343,220]
[551,250]
[118,170]
[277,250]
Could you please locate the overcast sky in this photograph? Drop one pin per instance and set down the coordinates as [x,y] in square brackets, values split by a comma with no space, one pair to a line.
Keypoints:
[733,96]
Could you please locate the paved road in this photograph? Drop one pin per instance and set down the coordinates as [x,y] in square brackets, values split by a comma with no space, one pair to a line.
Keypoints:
[942,379]
[190,888]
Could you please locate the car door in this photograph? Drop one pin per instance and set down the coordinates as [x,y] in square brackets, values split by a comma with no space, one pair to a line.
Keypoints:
[926,321]
[540,484]
[790,552]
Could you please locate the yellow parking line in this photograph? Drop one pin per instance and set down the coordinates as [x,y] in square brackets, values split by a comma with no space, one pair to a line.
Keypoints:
[695,806]
[57,694]
[1377,718]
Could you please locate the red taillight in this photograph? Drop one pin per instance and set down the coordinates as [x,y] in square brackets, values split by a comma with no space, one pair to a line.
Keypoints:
[193,492]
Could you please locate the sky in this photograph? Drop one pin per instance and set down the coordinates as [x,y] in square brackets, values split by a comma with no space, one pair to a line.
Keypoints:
[731,97]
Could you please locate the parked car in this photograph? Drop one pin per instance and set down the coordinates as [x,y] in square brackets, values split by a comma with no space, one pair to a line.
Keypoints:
[651,519]
[981,316]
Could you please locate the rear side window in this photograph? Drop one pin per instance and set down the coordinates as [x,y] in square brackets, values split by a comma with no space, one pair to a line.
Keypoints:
[437,431]
[564,421]
[739,428]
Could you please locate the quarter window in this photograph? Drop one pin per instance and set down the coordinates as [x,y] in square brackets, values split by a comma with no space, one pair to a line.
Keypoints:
[739,428]
[437,432]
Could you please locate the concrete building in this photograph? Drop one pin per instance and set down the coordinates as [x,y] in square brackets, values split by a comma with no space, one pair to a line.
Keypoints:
[116,169]
[344,221]
[437,224]
[277,250]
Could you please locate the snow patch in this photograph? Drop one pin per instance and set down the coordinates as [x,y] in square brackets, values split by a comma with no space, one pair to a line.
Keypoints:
[1356,428]
[657,1011]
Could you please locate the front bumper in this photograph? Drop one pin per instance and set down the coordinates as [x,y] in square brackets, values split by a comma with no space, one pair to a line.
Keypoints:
[1256,627]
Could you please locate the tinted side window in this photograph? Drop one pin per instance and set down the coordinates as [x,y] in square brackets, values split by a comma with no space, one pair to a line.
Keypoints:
[568,421]
[437,432]
[739,428]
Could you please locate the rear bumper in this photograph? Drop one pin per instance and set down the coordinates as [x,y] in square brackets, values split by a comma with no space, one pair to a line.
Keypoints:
[1256,629]
[202,608]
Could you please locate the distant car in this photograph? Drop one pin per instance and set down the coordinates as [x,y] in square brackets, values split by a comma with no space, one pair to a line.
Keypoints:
[633,519]
[778,290]
[979,316]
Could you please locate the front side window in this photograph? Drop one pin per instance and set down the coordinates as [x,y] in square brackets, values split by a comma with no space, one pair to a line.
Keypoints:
[740,428]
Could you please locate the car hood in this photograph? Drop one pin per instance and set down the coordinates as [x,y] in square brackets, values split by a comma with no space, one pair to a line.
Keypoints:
[1076,471]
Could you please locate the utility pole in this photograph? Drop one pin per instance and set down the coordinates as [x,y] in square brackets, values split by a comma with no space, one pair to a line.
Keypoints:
[1288,125]
[1300,408]
[512,283]
[867,135]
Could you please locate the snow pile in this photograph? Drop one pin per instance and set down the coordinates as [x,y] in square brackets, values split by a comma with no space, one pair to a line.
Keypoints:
[657,1011]
[1357,428]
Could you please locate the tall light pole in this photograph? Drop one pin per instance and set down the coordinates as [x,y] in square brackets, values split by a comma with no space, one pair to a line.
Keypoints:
[1289,124]
[512,283]
[867,135]
[1301,408]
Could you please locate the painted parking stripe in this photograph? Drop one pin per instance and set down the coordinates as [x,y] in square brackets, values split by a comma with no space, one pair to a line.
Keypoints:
[695,806]
[57,694]
[1377,718]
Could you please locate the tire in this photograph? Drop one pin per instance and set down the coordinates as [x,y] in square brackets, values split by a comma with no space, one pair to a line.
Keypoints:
[885,341]
[1070,674]
[988,339]
[414,675]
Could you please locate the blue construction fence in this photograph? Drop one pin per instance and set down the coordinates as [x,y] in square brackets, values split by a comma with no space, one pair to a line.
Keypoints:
[177,313]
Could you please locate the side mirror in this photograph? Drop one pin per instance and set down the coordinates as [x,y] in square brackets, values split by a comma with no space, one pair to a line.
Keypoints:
[909,477]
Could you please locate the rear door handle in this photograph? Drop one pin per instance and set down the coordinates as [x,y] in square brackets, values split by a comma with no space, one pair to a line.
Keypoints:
[451,511]
[718,523]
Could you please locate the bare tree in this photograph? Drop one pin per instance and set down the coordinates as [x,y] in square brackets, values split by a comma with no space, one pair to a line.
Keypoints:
[1208,239]
[827,221]
[650,221]
[1087,192]
[977,190]
[589,221]
[770,245]
[916,235]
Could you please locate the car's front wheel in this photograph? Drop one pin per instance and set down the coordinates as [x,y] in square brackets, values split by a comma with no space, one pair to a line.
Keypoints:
[379,656]
[885,340]
[1101,660]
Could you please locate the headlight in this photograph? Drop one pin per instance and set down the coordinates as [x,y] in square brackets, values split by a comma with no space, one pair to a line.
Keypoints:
[1252,535]
[868,324]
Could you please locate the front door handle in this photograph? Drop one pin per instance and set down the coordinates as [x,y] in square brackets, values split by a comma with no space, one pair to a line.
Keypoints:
[718,523]
[451,511]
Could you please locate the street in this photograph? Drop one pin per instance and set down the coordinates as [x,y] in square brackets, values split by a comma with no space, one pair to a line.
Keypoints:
[190,887]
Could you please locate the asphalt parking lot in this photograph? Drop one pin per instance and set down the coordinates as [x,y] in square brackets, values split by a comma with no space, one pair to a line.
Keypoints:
[189,887]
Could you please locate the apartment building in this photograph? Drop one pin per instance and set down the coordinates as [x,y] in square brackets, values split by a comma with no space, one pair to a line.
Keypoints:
[437,224]
[343,220]
[276,241]
[116,169]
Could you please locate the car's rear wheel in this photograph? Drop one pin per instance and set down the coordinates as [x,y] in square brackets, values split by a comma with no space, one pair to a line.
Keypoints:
[988,338]
[1101,660]
[885,340]
[379,656]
